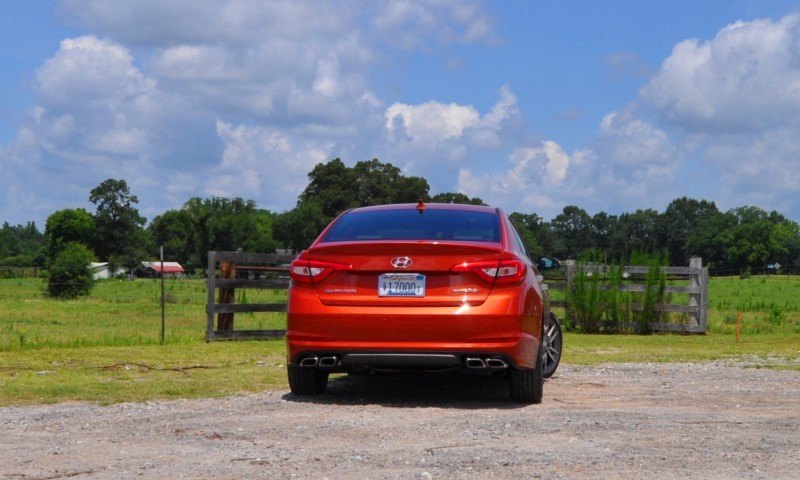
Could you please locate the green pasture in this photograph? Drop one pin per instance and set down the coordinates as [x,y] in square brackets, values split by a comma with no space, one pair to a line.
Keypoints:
[117,313]
[106,348]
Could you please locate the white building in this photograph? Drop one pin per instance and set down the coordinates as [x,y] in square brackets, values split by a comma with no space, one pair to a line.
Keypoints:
[100,270]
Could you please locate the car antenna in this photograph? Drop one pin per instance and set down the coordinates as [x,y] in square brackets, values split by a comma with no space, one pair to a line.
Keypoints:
[421,206]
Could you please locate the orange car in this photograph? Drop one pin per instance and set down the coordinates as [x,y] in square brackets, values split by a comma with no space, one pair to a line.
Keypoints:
[416,287]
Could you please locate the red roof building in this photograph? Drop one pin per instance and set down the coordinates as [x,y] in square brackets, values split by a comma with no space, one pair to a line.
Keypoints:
[170,268]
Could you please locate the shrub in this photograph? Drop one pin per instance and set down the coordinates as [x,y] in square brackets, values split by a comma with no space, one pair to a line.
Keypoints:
[597,300]
[746,274]
[775,315]
[585,298]
[618,301]
[70,274]
[653,296]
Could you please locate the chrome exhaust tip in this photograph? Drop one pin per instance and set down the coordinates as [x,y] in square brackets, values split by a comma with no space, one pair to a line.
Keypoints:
[328,361]
[473,362]
[309,362]
[496,363]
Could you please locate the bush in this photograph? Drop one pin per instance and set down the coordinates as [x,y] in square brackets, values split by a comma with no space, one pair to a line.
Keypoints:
[775,315]
[585,299]
[597,300]
[653,297]
[746,274]
[70,274]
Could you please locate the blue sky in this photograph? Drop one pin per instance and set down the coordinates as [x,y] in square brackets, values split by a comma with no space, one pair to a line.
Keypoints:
[532,106]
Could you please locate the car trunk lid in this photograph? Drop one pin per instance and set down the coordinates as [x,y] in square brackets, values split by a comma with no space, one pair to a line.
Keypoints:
[402,273]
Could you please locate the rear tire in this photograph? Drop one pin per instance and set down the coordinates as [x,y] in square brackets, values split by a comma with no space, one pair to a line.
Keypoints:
[553,342]
[307,381]
[527,386]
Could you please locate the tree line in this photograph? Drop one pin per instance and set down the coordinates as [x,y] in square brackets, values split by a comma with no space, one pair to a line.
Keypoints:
[746,238]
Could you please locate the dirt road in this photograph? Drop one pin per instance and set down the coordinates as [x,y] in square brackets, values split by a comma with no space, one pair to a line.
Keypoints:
[648,421]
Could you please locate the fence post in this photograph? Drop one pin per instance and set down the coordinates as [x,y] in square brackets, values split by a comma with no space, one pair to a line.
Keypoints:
[211,276]
[695,299]
[703,298]
[570,268]
[227,270]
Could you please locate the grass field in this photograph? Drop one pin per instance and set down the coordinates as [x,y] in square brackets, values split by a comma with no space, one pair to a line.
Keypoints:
[106,348]
[117,313]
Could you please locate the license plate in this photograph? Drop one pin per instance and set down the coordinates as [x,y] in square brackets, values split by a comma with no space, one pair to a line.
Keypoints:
[401,285]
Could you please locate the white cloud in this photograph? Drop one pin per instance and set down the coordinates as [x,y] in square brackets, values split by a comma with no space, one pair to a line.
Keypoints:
[724,127]
[533,182]
[548,162]
[177,22]
[99,116]
[745,79]
[629,161]
[196,63]
[243,98]
[736,98]
[767,169]
[437,140]
[94,101]
[92,69]
[431,123]
[635,145]
[257,160]
[413,24]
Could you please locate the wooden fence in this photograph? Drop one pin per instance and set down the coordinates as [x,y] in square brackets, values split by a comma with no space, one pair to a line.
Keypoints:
[245,270]
[242,270]
[696,309]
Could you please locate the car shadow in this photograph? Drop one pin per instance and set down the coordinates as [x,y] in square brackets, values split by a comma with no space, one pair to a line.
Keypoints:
[451,390]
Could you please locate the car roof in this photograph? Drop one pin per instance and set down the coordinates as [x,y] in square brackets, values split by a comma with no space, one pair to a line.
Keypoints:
[428,206]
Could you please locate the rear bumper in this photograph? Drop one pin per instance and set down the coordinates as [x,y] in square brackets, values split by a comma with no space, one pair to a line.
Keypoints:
[383,361]
[412,338]
[408,355]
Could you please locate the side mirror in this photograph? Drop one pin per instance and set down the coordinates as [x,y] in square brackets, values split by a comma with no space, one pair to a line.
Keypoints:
[548,263]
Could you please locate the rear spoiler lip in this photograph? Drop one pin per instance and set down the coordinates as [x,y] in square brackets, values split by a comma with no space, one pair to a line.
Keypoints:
[389,246]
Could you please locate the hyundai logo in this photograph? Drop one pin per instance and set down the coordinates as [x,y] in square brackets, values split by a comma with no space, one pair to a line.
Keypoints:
[401,262]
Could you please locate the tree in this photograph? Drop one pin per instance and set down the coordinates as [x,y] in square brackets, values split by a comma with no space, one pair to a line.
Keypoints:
[636,232]
[263,240]
[785,244]
[449,197]
[381,183]
[681,218]
[120,236]
[22,245]
[70,275]
[602,226]
[333,188]
[212,224]
[336,187]
[710,240]
[533,232]
[297,228]
[758,238]
[572,231]
[174,230]
[68,225]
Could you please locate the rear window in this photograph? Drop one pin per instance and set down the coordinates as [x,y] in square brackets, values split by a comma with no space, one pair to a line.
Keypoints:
[411,225]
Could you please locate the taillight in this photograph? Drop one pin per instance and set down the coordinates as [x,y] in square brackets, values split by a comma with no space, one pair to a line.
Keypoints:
[314,271]
[500,272]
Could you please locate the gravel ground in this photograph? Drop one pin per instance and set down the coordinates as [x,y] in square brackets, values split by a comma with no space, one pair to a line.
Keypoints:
[706,420]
